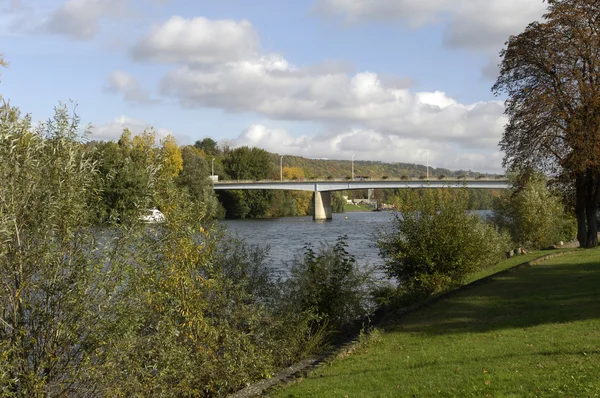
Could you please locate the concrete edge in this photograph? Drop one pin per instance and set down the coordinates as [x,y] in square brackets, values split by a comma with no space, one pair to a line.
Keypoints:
[307,364]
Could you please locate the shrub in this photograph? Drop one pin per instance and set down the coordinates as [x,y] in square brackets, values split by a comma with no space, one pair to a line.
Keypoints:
[329,282]
[532,215]
[404,177]
[384,177]
[125,309]
[441,177]
[435,242]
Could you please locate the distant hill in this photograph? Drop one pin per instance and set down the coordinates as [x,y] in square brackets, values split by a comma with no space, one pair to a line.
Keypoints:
[321,168]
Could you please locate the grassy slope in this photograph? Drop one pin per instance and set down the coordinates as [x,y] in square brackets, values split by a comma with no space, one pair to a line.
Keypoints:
[532,332]
[356,208]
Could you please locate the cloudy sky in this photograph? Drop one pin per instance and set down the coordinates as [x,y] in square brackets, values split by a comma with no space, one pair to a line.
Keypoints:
[388,80]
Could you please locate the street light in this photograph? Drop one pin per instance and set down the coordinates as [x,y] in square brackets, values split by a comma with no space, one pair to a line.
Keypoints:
[427,154]
[212,163]
[352,167]
[281,168]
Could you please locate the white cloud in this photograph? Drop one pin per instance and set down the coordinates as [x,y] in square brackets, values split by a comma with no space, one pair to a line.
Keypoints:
[371,145]
[371,111]
[198,41]
[476,24]
[112,130]
[79,19]
[411,12]
[359,100]
[121,82]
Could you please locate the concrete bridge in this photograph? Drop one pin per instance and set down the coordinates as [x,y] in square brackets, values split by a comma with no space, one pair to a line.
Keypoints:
[322,189]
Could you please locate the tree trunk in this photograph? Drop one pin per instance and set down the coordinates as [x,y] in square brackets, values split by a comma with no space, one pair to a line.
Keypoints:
[580,209]
[593,191]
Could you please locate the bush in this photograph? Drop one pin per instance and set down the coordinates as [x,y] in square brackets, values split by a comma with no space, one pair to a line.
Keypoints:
[125,309]
[404,177]
[441,177]
[329,282]
[533,217]
[435,242]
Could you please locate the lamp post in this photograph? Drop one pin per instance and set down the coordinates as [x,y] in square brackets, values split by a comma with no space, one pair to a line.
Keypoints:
[281,168]
[352,167]
[212,164]
[427,154]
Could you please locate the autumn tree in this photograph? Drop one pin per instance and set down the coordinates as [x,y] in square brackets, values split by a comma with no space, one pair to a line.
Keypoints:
[172,162]
[551,74]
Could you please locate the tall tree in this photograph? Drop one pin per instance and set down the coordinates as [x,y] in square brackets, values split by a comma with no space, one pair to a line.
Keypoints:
[551,74]
[247,164]
[209,146]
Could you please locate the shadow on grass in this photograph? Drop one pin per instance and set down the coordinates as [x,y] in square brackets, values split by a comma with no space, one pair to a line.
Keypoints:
[564,291]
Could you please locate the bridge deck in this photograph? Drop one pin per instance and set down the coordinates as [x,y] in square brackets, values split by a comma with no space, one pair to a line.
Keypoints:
[343,185]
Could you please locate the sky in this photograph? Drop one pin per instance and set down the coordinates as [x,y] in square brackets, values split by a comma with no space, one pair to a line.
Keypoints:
[384,80]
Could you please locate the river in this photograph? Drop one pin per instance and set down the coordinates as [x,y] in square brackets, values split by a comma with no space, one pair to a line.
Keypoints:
[287,236]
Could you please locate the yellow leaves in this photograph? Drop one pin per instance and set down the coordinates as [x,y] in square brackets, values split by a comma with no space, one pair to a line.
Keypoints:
[293,173]
[145,141]
[171,156]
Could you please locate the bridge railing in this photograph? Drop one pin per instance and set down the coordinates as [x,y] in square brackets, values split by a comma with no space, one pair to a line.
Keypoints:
[362,179]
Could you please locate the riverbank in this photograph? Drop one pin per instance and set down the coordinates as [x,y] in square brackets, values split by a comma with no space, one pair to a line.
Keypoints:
[356,208]
[529,332]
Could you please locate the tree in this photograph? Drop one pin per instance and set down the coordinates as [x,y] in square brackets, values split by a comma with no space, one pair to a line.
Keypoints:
[434,242]
[293,173]
[247,164]
[127,173]
[172,162]
[209,146]
[533,216]
[551,74]
[193,178]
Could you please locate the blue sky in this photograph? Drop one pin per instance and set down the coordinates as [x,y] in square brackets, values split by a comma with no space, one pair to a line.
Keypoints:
[389,80]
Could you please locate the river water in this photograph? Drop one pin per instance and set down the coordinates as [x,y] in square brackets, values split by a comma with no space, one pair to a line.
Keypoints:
[287,236]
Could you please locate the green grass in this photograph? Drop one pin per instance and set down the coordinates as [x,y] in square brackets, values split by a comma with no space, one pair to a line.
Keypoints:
[351,208]
[534,332]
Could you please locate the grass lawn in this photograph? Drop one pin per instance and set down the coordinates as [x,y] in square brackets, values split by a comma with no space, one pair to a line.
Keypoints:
[351,208]
[534,332]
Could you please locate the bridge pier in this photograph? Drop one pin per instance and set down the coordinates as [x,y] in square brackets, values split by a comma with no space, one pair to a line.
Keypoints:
[322,206]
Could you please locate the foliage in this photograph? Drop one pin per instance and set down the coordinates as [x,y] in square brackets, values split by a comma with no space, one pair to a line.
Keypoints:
[127,174]
[551,74]
[435,242]
[337,202]
[247,164]
[193,178]
[125,309]
[533,216]
[50,258]
[172,161]
[293,173]
[208,146]
[329,282]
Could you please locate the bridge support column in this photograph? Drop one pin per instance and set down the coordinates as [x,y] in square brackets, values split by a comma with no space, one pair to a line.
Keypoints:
[322,206]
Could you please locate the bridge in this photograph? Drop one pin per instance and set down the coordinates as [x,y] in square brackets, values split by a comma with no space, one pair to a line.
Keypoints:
[322,189]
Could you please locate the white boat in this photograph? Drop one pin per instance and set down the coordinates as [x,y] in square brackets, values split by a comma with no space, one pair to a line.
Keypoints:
[152,216]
